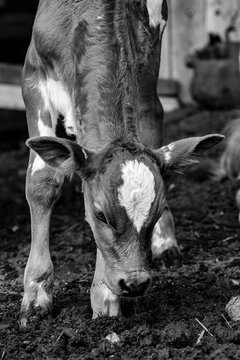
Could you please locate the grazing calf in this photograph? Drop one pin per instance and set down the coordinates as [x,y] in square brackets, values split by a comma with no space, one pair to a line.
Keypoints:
[96,63]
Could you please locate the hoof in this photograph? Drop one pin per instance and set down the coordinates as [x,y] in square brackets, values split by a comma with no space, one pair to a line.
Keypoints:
[33,315]
[36,304]
[104,301]
[168,258]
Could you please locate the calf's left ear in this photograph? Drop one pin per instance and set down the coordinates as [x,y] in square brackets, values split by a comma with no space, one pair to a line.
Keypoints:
[182,153]
[62,154]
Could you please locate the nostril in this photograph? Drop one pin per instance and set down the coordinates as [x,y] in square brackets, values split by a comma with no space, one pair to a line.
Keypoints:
[134,288]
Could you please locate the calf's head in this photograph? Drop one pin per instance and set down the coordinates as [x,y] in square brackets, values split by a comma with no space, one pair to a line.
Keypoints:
[124,198]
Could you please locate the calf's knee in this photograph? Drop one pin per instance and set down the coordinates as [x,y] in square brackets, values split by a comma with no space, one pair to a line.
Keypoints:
[43,188]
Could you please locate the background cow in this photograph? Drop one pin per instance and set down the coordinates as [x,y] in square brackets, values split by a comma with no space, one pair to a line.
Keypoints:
[228,164]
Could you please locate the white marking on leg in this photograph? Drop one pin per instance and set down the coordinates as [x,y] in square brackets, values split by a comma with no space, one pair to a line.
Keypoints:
[38,164]
[44,130]
[43,299]
[137,192]
[57,99]
[162,239]
[158,242]
[103,300]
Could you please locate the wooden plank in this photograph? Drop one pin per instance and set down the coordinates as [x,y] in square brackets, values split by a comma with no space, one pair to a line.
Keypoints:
[188,34]
[10,74]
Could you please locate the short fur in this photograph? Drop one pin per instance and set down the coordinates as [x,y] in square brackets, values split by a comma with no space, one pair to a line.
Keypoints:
[137,192]
[96,63]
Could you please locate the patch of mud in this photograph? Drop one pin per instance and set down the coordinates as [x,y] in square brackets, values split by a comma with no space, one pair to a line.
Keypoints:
[161,325]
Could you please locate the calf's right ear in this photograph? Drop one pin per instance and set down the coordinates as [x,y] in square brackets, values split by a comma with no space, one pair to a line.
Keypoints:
[182,153]
[65,155]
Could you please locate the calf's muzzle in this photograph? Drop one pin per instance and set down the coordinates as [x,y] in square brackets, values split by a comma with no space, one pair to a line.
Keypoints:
[134,283]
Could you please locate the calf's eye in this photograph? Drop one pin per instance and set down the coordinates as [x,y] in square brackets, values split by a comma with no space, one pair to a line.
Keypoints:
[100,216]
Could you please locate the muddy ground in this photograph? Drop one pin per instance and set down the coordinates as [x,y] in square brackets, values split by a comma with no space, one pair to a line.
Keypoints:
[161,325]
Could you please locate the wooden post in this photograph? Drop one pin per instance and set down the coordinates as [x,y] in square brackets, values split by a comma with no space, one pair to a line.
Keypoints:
[188,34]
[166,64]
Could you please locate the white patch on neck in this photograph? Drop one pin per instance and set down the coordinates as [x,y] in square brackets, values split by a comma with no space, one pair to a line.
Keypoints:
[155,13]
[137,191]
[58,101]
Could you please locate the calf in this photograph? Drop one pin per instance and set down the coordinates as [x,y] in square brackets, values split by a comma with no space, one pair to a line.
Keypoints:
[96,63]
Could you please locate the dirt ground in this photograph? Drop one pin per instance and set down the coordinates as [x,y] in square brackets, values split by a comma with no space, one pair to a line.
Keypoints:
[161,325]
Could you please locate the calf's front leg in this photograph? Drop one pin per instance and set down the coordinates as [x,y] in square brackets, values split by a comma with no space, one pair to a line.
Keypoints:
[103,300]
[43,187]
[164,244]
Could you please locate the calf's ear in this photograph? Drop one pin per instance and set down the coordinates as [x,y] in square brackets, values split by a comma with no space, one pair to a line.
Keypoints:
[182,153]
[65,155]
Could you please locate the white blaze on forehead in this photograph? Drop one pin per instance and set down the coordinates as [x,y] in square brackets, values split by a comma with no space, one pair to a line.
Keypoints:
[44,130]
[137,192]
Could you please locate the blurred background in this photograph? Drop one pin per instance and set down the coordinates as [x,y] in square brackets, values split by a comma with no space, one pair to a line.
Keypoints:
[16,19]
[200,57]
[196,25]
